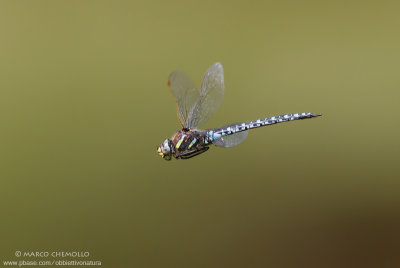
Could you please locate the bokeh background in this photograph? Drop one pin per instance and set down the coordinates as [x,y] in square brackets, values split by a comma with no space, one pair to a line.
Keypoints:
[84,103]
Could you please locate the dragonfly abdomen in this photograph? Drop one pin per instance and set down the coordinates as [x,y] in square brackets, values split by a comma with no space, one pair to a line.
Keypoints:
[215,134]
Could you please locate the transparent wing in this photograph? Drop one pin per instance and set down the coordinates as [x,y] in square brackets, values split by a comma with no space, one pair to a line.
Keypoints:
[210,98]
[231,140]
[185,94]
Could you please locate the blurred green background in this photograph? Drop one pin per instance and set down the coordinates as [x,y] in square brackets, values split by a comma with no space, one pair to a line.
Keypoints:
[84,103]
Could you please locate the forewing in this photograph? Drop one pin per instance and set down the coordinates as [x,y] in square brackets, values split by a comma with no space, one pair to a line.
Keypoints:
[210,98]
[231,140]
[185,94]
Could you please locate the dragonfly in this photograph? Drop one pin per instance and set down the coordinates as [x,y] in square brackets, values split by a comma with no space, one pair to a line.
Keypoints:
[195,107]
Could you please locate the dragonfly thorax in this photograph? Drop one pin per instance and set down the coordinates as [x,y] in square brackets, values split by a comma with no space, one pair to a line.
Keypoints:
[184,144]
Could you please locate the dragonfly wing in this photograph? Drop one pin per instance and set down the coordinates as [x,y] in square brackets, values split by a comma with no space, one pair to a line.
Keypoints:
[210,98]
[231,140]
[185,94]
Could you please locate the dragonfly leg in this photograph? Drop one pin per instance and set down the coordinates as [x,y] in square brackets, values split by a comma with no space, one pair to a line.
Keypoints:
[192,153]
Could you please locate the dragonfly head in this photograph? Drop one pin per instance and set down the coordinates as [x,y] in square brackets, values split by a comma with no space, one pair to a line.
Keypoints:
[164,150]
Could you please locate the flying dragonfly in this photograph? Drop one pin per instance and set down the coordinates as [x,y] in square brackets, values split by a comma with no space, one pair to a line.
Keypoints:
[194,108]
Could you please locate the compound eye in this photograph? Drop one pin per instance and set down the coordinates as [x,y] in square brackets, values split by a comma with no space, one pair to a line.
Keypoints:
[166,146]
[167,157]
